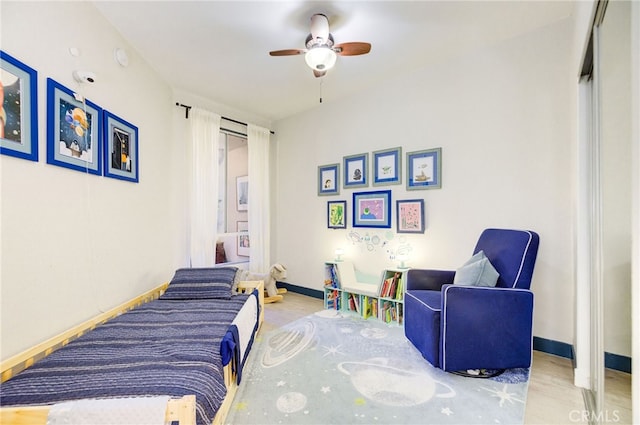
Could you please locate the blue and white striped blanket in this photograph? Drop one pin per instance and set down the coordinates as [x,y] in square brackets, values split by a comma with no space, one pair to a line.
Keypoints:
[164,347]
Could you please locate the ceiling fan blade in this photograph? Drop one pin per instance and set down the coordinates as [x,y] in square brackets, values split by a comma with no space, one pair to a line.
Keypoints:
[287,52]
[352,48]
[319,74]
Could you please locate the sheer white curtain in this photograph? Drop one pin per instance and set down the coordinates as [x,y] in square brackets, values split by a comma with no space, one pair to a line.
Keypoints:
[203,187]
[259,192]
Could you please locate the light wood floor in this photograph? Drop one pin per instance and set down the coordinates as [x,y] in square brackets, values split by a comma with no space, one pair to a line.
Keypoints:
[552,397]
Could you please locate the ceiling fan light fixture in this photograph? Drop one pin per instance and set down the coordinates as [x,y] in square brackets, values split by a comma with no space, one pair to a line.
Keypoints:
[321,58]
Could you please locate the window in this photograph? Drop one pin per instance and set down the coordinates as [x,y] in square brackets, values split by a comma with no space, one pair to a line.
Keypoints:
[233,236]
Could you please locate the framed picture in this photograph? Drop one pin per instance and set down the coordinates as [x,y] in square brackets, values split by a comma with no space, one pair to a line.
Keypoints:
[372,209]
[18,109]
[337,214]
[242,193]
[243,238]
[410,216]
[424,169]
[328,178]
[74,130]
[356,170]
[120,148]
[387,167]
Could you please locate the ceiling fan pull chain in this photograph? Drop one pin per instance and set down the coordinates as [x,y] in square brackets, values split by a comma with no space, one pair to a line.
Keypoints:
[321,90]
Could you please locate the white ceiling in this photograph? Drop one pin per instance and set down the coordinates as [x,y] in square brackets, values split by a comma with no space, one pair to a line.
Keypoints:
[219,49]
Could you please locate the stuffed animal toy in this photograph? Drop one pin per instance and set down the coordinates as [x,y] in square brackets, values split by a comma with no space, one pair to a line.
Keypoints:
[276,272]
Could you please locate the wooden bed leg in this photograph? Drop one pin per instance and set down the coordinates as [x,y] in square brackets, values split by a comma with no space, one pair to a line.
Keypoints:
[182,410]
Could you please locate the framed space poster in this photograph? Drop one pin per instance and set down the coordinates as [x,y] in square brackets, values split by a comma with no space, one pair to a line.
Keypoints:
[372,209]
[120,148]
[18,109]
[424,169]
[74,130]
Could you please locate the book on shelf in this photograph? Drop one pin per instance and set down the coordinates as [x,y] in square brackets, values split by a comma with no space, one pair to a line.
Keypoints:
[366,307]
[333,300]
[390,312]
[399,289]
[332,276]
[386,284]
[392,286]
[355,302]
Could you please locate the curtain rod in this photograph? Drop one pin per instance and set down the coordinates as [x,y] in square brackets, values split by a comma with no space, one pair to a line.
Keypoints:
[187,108]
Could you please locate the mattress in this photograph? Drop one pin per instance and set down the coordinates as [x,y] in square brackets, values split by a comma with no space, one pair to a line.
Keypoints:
[164,347]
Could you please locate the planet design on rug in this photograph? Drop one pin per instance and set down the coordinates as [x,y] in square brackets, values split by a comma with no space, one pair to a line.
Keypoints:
[291,402]
[373,333]
[328,314]
[396,384]
[286,344]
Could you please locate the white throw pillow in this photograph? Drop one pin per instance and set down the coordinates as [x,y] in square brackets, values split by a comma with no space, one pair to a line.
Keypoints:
[478,271]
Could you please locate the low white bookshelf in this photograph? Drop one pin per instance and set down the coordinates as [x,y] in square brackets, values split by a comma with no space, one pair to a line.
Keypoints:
[382,300]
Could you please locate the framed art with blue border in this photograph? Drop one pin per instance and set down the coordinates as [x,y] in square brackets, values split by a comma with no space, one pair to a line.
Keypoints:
[387,167]
[18,109]
[329,179]
[337,214]
[372,209]
[120,148]
[424,169]
[410,216]
[74,130]
[356,169]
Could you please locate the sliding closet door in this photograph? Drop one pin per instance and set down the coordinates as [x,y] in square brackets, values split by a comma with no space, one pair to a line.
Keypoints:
[613,75]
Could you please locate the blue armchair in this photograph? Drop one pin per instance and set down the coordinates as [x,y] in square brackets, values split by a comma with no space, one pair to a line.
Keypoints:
[458,327]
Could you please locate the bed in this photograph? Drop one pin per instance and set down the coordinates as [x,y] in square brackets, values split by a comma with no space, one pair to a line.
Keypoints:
[187,340]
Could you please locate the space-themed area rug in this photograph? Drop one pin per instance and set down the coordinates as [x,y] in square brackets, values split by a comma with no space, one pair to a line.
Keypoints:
[336,368]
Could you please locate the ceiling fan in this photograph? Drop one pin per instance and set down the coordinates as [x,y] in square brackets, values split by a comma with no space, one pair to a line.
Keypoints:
[321,52]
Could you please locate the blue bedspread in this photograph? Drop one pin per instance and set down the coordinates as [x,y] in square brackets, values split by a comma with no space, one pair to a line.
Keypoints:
[164,347]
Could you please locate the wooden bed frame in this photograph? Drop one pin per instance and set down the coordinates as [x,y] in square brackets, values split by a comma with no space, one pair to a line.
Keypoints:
[182,410]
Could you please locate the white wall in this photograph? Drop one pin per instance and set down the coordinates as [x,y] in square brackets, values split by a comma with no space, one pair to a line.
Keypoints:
[504,117]
[74,245]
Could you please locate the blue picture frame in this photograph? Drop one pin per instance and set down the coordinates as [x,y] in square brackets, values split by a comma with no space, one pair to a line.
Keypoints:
[328,179]
[410,216]
[424,169]
[387,167]
[337,214]
[18,108]
[120,140]
[372,209]
[74,130]
[356,171]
